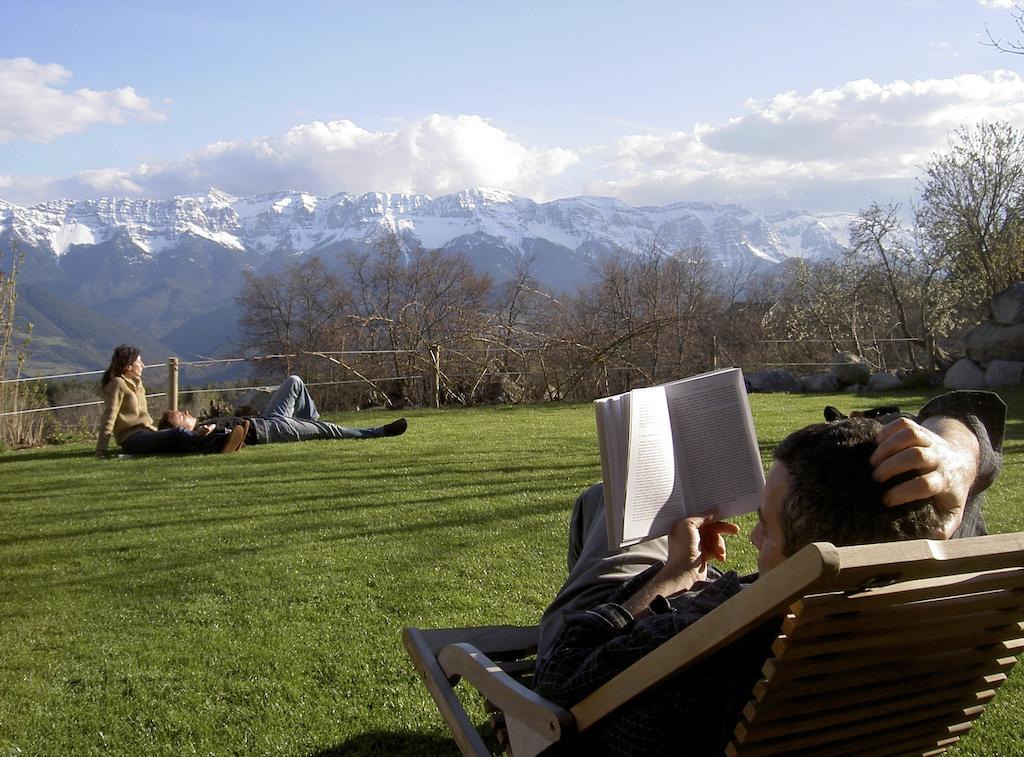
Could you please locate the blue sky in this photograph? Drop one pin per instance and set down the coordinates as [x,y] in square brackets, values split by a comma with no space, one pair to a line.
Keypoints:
[821,105]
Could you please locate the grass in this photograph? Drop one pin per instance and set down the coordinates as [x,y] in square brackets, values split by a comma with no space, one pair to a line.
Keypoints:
[252,603]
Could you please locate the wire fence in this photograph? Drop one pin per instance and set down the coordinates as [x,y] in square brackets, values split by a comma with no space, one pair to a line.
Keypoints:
[173,366]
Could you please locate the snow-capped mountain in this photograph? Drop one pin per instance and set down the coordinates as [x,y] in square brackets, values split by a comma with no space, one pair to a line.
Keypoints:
[160,265]
[297,222]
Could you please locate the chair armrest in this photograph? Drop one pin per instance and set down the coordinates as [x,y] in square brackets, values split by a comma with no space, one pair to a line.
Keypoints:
[497,642]
[511,697]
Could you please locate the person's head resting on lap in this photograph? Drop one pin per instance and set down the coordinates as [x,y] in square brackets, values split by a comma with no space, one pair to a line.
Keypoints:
[821,489]
[177,419]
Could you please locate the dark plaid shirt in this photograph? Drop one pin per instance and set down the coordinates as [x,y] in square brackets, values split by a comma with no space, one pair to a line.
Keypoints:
[696,711]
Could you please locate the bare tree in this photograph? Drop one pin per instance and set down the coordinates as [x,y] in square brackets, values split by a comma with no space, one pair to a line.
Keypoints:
[1014,46]
[646,318]
[876,234]
[406,302]
[19,429]
[292,312]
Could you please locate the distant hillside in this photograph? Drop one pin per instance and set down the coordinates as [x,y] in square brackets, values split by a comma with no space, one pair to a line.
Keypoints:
[69,337]
[206,335]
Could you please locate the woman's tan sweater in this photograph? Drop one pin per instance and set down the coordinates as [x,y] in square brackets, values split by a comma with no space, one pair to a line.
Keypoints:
[124,411]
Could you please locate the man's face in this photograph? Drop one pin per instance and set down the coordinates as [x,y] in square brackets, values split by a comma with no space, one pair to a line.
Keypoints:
[182,419]
[767,534]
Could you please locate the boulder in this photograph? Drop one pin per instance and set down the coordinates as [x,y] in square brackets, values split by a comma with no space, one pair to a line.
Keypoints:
[498,390]
[819,383]
[1008,305]
[1004,373]
[965,374]
[553,394]
[884,381]
[990,341]
[850,369]
[773,380]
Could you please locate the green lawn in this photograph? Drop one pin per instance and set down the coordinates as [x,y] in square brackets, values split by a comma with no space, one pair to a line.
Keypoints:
[252,603]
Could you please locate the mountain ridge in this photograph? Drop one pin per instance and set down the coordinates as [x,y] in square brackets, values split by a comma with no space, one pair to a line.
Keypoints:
[297,221]
[162,264]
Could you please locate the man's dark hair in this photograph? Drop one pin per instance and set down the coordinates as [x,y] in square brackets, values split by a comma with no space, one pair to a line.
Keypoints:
[832,495]
[165,421]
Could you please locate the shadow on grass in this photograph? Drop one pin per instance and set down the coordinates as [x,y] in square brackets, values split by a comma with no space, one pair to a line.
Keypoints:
[391,743]
[279,532]
[32,456]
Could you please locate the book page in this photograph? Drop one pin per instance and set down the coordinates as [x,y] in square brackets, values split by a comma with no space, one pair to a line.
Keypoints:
[611,414]
[715,444]
[654,495]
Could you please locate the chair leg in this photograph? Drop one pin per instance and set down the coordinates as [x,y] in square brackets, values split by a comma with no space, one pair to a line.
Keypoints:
[440,688]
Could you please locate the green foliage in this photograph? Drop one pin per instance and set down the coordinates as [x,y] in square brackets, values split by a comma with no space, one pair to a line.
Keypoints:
[252,603]
[972,205]
[16,429]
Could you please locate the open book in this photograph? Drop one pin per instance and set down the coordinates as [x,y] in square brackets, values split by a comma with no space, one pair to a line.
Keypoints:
[676,450]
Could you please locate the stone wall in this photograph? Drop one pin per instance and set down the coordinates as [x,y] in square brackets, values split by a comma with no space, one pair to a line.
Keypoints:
[995,359]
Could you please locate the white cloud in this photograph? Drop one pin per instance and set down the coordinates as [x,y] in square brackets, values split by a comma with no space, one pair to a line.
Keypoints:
[998,4]
[820,145]
[437,155]
[828,149]
[33,106]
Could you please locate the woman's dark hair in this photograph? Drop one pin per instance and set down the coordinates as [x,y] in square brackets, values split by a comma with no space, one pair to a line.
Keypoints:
[123,357]
[832,495]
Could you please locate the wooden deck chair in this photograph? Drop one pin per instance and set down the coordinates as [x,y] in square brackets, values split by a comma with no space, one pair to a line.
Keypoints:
[885,649]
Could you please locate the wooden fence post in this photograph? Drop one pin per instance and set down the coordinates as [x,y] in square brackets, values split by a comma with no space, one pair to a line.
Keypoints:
[929,347]
[435,356]
[172,383]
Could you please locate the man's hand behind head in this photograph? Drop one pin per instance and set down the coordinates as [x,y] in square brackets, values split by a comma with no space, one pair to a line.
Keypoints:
[944,455]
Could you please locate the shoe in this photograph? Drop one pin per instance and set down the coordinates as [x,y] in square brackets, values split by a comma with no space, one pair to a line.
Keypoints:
[236,439]
[395,428]
[833,414]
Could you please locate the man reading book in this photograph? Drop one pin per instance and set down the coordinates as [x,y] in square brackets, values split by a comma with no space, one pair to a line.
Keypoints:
[849,482]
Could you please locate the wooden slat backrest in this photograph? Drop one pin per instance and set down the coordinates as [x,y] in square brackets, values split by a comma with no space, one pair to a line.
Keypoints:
[889,679]
[862,616]
[897,668]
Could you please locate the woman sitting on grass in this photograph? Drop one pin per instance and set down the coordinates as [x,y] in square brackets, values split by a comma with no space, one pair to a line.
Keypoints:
[127,419]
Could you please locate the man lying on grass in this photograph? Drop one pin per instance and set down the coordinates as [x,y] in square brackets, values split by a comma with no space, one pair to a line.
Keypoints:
[852,481]
[290,416]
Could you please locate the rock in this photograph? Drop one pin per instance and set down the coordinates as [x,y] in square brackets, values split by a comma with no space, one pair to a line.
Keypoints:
[1004,373]
[1008,305]
[943,358]
[819,383]
[252,402]
[773,380]
[498,390]
[990,341]
[850,368]
[965,374]
[884,381]
[553,394]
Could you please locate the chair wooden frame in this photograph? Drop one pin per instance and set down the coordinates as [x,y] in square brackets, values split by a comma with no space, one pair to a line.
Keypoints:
[885,649]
